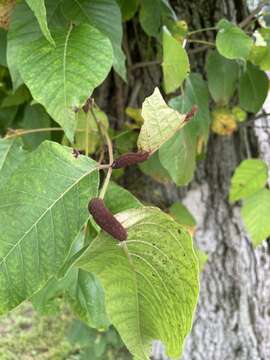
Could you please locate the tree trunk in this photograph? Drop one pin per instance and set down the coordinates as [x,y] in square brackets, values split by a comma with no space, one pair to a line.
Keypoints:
[233,316]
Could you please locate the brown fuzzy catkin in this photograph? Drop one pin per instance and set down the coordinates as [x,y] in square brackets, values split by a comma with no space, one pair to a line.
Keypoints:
[131,158]
[105,219]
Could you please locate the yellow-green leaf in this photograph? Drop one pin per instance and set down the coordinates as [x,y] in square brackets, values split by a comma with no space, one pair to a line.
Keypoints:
[150,281]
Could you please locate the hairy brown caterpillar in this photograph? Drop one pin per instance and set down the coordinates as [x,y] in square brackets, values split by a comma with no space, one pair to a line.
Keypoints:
[105,219]
[131,158]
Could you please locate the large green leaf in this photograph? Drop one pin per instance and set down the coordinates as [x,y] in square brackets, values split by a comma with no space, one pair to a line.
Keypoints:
[11,155]
[24,29]
[39,9]
[222,77]
[43,206]
[160,122]
[150,281]
[255,213]
[253,88]
[250,176]
[175,62]
[105,15]
[178,156]
[232,42]
[63,77]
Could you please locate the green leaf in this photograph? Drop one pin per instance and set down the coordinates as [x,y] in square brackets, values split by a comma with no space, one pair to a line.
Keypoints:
[105,15]
[150,281]
[87,122]
[86,298]
[39,9]
[24,29]
[35,117]
[43,206]
[222,77]
[153,14]
[11,155]
[202,257]
[260,56]
[20,96]
[119,199]
[249,177]
[128,8]
[178,156]
[153,167]
[232,42]
[175,62]
[63,77]
[3,47]
[160,122]
[253,88]
[255,213]
[196,93]
[182,215]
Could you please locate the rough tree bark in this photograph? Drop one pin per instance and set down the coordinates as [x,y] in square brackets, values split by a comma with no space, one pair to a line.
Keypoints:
[233,316]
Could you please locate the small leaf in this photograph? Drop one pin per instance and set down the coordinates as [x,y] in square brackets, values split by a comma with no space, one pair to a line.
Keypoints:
[182,215]
[11,156]
[154,14]
[160,122]
[195,93]
[253,88]
[43,206]
[249,177]
[255,213]
[119,199]
[99,13]
[202,257]
[153,167]
[128,8]
[260,56]
[86,298]
[39,9]
[232,42]
[93,134]
[150,282]
[178,156]
[20,96]
[175,62]
[222,77]
[63,77]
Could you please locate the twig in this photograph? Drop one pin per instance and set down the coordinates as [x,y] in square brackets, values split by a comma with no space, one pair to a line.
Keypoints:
[249,18]
[199,49]
[197,41]
[202,30]
[19,132]
[87,135]
[110,149]
[145,64]
[252,120]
